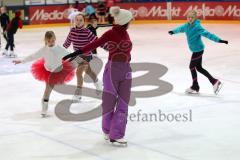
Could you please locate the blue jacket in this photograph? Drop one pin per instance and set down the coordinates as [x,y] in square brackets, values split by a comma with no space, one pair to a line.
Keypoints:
[89,10]
[194,32]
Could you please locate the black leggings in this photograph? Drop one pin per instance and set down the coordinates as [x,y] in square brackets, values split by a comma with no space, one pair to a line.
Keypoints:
[10,41]
[196,65]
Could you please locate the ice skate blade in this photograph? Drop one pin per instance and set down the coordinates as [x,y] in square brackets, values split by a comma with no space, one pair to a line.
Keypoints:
[192,93]
[219,88]
[118,144]
[44,115]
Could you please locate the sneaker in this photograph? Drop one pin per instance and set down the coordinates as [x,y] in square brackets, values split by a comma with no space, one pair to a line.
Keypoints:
[192,91]
[217,86]
[44,109]
[119,142]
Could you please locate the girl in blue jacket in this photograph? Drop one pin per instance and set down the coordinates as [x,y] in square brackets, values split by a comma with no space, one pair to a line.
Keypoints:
[194,31]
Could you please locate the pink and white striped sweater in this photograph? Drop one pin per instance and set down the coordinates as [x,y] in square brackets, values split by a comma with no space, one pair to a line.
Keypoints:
[79,37]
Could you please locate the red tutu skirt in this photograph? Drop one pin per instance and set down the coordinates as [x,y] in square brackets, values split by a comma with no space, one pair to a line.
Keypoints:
[40,73]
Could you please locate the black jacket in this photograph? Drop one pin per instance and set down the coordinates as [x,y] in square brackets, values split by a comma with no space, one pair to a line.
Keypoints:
[4,20]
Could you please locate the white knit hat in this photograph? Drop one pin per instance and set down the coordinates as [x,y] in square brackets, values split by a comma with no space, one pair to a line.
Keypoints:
[121,16]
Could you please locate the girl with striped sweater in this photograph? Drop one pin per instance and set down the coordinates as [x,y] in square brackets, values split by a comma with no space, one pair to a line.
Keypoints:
[79,36]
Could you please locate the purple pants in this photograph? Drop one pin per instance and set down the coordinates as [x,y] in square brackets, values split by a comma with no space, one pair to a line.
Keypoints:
[117,81]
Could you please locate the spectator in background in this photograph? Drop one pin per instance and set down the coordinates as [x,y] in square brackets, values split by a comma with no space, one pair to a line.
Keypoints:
[71,13]
[12,28]
[101,12]
[4,19]
[93,26]
[109,4]
[79,7]
[89,10]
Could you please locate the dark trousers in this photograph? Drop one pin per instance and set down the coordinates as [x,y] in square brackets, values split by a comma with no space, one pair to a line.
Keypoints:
[196,65]
[4,33]
[10,41]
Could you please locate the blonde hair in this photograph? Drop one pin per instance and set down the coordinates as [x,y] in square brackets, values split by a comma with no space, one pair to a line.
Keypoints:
[49,35]
[192,12]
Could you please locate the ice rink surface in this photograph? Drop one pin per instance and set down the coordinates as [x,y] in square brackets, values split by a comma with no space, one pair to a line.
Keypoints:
[212,134]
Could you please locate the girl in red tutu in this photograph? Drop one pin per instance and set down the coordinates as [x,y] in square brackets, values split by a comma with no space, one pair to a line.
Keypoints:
[49,67]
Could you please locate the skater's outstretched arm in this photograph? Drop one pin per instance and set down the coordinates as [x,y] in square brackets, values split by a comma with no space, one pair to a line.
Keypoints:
[211,36]
[104,25]
[180,29]
[73,55]
[88,48]
[68,41]
[31,57]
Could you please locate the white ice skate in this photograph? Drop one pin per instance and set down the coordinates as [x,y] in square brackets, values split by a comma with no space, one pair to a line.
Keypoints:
[77,97]
[119,142]
[191,91]
[106,137]
[217,87]
[44,109]
[99,86]
[5,52]
[12,54]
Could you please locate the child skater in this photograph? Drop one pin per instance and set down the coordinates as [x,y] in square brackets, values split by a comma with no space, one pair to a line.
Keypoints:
[117,77]
[194,31]
[12,28]
[93,26]
[49,68]
[4,19]
[80,36]
[72,12]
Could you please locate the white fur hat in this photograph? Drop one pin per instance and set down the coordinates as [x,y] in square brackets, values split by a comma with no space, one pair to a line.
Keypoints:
[121,16]
[73,15]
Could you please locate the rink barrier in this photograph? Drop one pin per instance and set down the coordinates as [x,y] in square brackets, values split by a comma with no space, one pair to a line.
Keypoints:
[136,22]
[154,11]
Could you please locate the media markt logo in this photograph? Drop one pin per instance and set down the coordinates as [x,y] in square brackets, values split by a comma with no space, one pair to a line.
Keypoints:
[154,11]
[176,11]
[219,10]
[41,14]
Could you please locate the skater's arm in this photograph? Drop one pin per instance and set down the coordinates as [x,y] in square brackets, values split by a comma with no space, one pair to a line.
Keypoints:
[68,41]
[63,51]
[208,35]
[180,29]
[104,25]
[34,56]
[88,48]
[96,43]
[91,37]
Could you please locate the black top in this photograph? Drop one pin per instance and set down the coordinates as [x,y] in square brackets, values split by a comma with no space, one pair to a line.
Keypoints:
[94,30]
[4,19]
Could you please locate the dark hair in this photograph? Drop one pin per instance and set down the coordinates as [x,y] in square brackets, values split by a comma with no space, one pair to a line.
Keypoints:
[125,25]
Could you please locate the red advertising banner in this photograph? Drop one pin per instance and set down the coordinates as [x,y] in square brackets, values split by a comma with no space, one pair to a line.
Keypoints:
[48,14]
[207,10]
[147,11]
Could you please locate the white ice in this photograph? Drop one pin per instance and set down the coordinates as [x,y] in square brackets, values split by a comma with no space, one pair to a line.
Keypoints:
[213,133]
